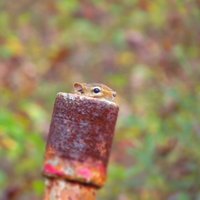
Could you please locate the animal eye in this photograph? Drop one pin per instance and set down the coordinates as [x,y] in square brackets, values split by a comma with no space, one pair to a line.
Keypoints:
[96,90]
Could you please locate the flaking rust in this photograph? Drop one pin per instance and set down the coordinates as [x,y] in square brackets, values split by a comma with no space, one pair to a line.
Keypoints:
[80,139]
[58,189]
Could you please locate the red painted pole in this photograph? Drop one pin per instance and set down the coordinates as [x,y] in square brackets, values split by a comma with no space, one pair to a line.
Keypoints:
[78,146]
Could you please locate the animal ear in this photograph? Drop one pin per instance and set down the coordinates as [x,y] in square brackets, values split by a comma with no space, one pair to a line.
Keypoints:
[78,87]
[114,94]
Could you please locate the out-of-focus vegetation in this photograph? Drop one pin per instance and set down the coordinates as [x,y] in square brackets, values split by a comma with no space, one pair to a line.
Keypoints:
[148,51]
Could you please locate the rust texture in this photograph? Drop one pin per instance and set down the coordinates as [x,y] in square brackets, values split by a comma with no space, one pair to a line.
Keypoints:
[79,141]
[58,189]
[78,146]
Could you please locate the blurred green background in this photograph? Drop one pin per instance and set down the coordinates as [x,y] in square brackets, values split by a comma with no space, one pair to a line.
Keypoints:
[148,51]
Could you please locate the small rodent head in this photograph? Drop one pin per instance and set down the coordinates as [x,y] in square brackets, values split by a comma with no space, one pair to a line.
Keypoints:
[95,90]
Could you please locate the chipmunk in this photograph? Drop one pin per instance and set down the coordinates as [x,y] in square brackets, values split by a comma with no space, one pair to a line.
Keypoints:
[95,90]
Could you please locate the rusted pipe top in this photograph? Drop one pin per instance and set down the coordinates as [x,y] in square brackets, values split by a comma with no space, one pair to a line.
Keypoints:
[80,138]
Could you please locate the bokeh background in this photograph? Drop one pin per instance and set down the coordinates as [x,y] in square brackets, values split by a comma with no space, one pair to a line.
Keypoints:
[148,51]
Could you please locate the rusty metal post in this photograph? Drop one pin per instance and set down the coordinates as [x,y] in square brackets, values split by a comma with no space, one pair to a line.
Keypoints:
[78,147]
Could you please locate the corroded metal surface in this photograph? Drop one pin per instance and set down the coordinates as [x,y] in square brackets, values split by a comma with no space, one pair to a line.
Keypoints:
[80,139]
[58,189]
[85,172]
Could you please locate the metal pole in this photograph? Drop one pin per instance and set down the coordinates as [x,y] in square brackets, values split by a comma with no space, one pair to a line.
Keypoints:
[78,147]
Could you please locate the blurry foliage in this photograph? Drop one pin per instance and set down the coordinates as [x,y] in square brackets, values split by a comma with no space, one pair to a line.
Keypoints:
[148,51]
